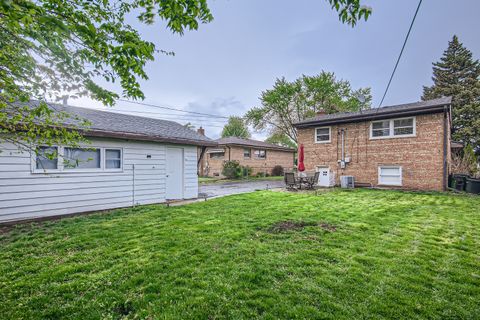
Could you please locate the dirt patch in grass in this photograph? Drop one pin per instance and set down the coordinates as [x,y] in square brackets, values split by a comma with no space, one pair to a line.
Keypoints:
[289,225]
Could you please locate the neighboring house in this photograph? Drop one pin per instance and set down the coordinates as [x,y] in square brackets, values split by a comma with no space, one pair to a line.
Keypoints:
[258,155]
[130,160]
[404,146]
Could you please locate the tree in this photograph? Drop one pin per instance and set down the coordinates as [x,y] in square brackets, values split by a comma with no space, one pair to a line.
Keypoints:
[457,74]
[281,139]
[289,102]
[235,128]
[56,48]
[51,48]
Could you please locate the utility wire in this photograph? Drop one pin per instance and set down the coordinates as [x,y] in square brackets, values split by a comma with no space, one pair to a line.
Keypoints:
[174,109]
[400,55]
[176,116]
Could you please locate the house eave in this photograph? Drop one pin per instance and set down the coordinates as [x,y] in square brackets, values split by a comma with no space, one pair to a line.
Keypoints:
[370,117]
[257,147]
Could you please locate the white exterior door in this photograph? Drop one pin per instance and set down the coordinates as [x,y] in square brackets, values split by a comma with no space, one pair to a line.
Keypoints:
[174,174]
[324,178]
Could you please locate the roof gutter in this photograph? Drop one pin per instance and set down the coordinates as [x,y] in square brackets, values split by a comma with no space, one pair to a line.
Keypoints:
[375,116]
[142,137]
[257,147]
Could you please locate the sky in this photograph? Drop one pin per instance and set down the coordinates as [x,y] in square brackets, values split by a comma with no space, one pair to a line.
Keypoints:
[223,67]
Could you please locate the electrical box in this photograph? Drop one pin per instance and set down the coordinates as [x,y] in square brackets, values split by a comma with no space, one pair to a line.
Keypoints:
[342,164]
[347,159]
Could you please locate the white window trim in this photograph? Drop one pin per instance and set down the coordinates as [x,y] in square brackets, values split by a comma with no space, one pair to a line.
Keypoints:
[329,135]
[389,184]
[391,129]
[104,155]
[249,152]
[62,170]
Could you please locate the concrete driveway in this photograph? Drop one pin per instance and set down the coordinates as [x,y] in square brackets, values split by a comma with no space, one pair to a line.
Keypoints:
[227,188]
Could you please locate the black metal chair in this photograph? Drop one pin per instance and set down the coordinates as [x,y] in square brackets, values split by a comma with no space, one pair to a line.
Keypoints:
[312,181]
[290,181]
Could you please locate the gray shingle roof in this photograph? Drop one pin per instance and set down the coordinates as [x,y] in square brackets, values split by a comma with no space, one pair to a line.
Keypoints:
[252,143]
[117,125]
[421,107]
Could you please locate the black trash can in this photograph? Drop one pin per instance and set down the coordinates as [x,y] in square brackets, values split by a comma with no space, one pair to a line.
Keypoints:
[450,181]
[460,180]
[472,185]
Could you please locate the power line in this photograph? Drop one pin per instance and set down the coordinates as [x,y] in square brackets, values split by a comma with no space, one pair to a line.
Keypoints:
[163,114]
[400,55]
[171,108]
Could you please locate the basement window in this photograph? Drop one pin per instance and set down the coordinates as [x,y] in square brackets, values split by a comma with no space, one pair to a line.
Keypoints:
[394,128]
[390,175]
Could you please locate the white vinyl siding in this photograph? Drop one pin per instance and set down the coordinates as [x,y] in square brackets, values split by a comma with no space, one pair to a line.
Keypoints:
[323,135]
[24,194]
[393,128]
[390,175]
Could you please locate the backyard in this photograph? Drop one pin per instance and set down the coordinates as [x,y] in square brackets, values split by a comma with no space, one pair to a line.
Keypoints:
[336,254]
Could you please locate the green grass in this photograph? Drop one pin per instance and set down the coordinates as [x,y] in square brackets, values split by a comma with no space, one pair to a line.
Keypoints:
[394,255]
[209,180]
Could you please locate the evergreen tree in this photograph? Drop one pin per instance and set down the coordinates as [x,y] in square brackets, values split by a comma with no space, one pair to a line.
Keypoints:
[457,74]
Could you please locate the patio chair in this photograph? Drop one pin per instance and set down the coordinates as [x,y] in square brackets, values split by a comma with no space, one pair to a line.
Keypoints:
[312,181]
[290,181]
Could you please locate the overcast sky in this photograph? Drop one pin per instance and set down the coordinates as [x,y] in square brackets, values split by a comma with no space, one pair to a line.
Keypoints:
[223,67]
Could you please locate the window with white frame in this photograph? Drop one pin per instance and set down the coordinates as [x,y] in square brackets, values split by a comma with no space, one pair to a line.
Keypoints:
[260,153]
[46,158]
[404,127]
[65,159]
[390,175]
[78,158]
[113,158]
[322,135]
[247,153]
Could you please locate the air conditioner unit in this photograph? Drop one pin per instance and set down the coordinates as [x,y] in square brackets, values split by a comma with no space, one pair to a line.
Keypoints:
[347,182]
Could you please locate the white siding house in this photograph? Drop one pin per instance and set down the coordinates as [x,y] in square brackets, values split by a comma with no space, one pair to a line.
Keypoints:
[119,172]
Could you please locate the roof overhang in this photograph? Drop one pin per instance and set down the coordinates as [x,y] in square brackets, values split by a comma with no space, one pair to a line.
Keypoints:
[141,137]
[374,116]
[258,147]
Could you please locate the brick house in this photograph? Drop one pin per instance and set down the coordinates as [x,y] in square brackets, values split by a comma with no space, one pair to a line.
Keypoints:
[404,146]
[258,155]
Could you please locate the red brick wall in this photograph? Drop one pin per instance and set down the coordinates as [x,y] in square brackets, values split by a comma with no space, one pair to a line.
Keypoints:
[274,157]
[421,157]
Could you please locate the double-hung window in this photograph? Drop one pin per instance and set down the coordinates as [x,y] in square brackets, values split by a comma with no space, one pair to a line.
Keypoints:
[322,135]
[394,128]
[247,153]
[260,153]
[390,175]
[113,159]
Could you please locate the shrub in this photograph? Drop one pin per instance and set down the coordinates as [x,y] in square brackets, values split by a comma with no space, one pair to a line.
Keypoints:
[232,169]
[247,171]
[277,171]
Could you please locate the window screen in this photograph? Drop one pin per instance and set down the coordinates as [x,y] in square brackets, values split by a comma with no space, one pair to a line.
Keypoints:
[322,134]
[390,175]
[381,128]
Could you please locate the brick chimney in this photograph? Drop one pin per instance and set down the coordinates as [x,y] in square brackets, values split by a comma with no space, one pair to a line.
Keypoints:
[321,112]
[201,131]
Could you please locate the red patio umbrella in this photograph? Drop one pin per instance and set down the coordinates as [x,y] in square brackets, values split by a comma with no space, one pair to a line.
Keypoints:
[301,165]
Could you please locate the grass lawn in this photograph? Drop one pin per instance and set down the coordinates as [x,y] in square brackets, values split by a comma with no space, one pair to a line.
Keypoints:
[363,254]
[209,180]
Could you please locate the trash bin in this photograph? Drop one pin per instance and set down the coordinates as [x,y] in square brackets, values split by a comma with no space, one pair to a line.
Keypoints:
[460,180]
[472,185]
[450,181]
